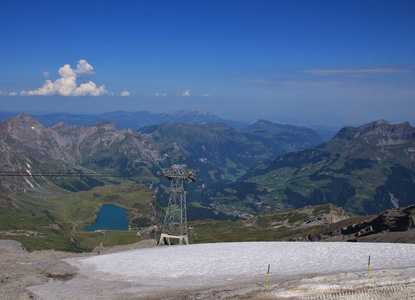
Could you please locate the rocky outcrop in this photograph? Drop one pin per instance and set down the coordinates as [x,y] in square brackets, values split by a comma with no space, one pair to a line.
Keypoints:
[396,225]
[11,246]
[396,219]
[57,269]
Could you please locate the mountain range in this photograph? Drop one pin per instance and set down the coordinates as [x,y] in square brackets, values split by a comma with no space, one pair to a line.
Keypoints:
[260,168]
[66,158]
[138,119]
[130,120]
[364,170]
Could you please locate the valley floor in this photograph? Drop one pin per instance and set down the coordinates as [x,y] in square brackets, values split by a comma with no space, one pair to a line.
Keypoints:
[299,270]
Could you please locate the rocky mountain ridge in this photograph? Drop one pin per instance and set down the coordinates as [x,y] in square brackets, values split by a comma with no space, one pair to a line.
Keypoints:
[384,132]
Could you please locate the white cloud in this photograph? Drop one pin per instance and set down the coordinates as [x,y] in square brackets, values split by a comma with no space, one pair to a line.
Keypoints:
[186,93]
[125,93]
[310,84]
[13,94]
[258,80]
[84,68]
[160,94]
[89,89]
[46,73]
[295,83]
[67,72]
[66,84]
[205,95]
[356,71]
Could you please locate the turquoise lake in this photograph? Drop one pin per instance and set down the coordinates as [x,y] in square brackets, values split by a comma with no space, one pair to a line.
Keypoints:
[110,217]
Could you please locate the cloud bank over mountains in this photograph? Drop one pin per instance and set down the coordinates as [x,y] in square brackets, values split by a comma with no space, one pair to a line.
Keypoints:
[66,85]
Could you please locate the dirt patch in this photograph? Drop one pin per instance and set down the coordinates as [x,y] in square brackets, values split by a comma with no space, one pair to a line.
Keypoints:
[20,269]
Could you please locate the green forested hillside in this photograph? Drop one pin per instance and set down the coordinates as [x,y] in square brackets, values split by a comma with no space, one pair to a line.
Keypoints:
[365,170]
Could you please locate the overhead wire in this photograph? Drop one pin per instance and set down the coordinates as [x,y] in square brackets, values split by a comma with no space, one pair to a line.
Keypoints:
[71,174]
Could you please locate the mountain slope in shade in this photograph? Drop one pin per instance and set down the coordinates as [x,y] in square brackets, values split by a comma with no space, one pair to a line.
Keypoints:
[365,170]
[289,137]
[225,153]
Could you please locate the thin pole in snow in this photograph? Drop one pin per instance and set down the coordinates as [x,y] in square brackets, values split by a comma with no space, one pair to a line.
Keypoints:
[368,268]
[266,283]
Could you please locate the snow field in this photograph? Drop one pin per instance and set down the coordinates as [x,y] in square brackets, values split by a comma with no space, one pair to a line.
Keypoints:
[216,262]
[299,270]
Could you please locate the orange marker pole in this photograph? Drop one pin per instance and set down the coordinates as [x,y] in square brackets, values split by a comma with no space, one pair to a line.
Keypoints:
[266,283]
[368,268]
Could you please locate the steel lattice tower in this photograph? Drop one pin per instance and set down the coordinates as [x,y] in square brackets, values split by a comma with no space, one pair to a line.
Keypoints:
[175,222]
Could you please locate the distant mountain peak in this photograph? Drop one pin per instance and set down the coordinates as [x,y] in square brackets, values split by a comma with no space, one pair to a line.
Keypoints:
[381,122]
[261,122]
[381,130]
[281,132]
[23,118]
[191,115]
[106,125]
[23,124]
[189,112]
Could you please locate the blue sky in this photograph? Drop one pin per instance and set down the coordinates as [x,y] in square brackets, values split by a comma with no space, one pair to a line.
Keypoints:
[302,62]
